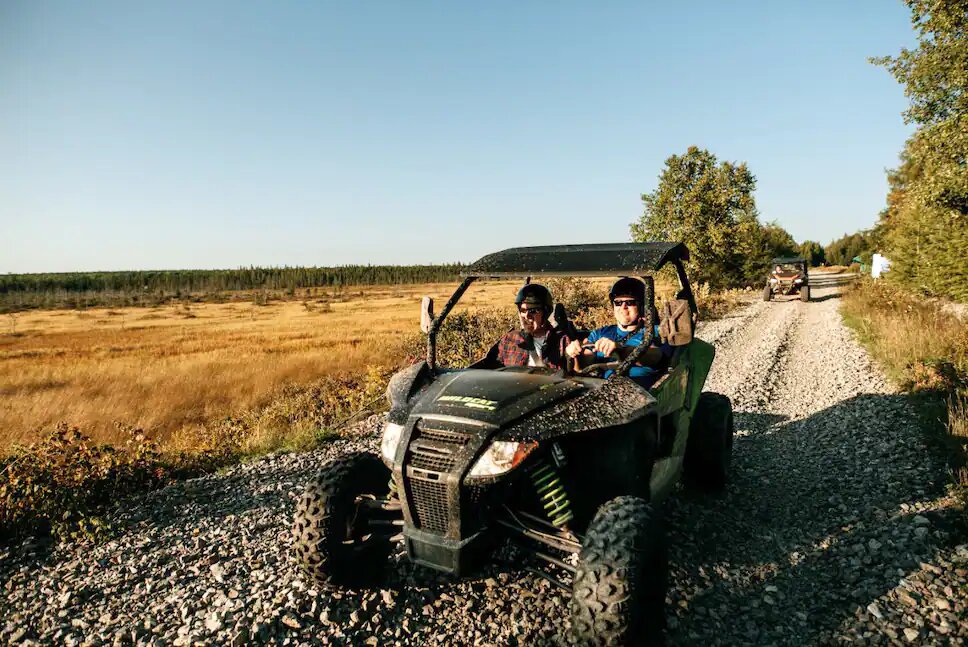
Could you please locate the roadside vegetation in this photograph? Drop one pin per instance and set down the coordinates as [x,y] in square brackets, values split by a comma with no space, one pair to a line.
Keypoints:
[844,250]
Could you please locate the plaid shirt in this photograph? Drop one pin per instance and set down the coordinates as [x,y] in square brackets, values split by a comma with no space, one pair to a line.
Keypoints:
[514,346]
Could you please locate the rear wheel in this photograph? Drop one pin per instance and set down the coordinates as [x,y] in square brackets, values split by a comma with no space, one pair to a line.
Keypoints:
[767,294]
[709,449]
[343,522]
[620,582]
[805,293]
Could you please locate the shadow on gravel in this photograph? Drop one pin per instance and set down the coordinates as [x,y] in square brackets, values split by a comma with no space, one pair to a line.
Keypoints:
[816,524]
[825,297]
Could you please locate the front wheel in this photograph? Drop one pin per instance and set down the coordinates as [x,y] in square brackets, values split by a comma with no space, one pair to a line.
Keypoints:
[619,588]
[345,519]
[767,294]
[805,293]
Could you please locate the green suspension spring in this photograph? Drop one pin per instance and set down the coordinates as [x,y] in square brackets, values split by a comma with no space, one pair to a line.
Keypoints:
[551,493]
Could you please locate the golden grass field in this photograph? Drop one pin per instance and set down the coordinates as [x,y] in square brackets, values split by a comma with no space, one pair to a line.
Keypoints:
[170,370]
[166,368]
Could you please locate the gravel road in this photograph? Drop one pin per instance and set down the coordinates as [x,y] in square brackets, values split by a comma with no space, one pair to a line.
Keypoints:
[835,529]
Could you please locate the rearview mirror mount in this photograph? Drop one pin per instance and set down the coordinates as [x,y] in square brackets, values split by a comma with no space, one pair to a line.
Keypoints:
[426,314]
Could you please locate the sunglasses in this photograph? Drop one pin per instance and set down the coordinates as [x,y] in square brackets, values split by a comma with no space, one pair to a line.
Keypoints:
[618,303]
[530,311]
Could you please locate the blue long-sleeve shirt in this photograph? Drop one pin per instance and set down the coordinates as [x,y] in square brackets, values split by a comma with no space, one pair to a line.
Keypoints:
[643,375]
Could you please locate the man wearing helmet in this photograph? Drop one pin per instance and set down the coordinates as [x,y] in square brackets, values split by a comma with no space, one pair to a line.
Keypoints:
[536,342]
[628,300]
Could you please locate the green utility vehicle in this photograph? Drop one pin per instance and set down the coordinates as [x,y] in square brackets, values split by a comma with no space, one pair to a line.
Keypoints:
[568,465]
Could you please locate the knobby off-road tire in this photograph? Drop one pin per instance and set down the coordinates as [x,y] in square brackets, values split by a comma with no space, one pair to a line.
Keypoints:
[323,526]
[618,595]
[805,293]
[767,294]
[709,450]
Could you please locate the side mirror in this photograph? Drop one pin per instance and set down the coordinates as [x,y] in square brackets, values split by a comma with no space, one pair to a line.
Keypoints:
[426,314]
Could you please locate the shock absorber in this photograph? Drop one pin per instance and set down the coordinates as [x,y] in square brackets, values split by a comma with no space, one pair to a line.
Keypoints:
[551,492]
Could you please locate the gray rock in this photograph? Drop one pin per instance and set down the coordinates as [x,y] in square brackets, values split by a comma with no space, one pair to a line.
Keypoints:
[874,610]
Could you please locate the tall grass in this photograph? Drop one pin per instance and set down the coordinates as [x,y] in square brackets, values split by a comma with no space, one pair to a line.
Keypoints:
[170,374]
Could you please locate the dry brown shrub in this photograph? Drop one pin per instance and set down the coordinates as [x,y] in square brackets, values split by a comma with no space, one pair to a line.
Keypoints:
[59,484]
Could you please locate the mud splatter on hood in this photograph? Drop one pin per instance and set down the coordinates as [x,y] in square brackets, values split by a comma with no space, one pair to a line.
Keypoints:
[618,401]
[493,397]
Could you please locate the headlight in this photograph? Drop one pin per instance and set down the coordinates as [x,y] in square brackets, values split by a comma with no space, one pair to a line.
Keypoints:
[501,457]
[391,438]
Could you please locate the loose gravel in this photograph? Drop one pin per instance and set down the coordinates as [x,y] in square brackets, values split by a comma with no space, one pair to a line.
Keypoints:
[834,529]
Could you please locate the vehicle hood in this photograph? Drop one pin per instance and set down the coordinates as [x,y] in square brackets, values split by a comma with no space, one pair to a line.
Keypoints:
[493,397]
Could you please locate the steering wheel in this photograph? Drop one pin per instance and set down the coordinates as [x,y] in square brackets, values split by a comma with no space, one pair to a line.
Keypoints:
[613,361]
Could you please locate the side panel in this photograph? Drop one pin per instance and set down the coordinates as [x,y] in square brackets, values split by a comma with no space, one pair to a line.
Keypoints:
[665,473]
[671,394]
[677,398]
[700,358]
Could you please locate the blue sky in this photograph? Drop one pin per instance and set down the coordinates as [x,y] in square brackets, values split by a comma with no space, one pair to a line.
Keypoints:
[223,134]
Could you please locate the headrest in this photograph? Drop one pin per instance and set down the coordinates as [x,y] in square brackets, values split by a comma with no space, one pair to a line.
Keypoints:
[675,322]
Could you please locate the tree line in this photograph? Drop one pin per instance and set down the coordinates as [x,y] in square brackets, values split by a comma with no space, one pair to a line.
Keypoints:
[845,249]
[81,289]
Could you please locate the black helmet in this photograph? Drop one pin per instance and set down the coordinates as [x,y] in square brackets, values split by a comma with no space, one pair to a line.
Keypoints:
[534,294]
[630,287]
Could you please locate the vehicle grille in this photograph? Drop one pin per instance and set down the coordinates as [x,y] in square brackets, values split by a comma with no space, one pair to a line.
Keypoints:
[430,501]
[433,449]
[436,449]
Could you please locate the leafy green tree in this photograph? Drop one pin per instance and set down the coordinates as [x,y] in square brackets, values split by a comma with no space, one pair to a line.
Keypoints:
[778,241]
[760,244]
[924,229]
[813,252]
[709,206]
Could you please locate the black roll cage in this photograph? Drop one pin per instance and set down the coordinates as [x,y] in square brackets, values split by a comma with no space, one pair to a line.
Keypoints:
[634,259]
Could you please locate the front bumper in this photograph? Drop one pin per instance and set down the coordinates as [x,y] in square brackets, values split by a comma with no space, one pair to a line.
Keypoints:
[452,556]
[786,287]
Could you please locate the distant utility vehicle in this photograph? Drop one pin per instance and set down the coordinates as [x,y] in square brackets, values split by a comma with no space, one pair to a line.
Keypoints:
[567,465]
[787,276]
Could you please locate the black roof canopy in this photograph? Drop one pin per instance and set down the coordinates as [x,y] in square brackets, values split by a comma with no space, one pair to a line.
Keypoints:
[601,259]
[790,259]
